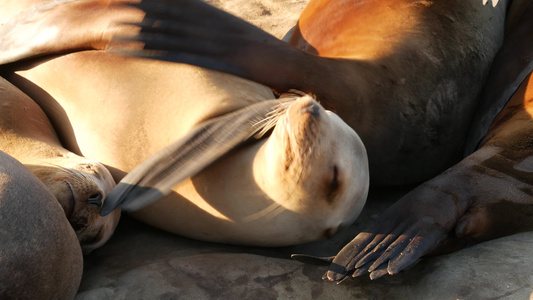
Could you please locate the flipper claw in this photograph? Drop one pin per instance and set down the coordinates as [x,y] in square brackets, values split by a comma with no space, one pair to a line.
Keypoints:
[313,260]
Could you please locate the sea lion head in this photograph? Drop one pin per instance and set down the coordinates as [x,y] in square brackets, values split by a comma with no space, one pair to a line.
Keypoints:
[81,186]
[316,165]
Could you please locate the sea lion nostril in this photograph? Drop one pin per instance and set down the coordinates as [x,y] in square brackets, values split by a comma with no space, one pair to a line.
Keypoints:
[311,108]
[95,200]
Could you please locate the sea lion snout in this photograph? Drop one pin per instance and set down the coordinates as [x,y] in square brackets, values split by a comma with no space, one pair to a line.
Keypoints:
[306,105]
[311,108]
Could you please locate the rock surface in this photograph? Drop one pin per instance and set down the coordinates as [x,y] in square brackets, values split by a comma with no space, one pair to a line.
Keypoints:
[141,262]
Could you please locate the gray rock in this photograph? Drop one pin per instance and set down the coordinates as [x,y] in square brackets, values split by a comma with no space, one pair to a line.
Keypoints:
[141,262]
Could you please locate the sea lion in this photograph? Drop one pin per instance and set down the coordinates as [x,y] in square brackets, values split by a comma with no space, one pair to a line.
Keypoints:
[80,185]
[40,256]
[301,182]
[486,196]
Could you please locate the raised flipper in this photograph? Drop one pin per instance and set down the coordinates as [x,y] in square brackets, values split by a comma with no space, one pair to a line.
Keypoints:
[65,26]
[206,143]
[196,33]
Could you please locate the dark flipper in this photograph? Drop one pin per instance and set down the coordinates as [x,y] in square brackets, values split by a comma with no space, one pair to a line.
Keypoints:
[206,143]
[193,32]
[413,227]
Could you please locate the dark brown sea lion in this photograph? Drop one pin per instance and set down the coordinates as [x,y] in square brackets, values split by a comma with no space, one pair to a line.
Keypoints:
[362,59]
[370,78]
[80,185]
[485,196]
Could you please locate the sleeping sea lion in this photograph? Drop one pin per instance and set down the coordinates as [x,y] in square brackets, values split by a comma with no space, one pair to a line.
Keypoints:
[79,185]
[306,178]
[40,257]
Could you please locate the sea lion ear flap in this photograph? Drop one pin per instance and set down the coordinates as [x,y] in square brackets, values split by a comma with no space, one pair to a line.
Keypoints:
[205,144]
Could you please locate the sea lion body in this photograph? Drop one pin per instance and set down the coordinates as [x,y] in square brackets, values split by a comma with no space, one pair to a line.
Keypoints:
[79,185]
[40,254]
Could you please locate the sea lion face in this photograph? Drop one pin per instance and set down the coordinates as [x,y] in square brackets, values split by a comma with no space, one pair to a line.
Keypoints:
[320,163]
[81,185]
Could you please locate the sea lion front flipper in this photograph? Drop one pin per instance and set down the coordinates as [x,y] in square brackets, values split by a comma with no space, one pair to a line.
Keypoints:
[65,26]
[414,226]
[196,33]
[206,143]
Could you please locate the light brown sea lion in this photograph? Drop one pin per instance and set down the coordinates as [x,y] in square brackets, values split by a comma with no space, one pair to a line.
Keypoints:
[80,185]
[304,181]
[40,257]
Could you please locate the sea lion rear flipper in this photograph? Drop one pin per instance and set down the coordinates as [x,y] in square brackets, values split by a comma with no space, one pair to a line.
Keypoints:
[196,33]
[206,143]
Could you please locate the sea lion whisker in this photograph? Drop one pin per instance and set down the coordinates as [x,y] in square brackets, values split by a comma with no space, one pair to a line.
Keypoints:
[270,120]
[262,213]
